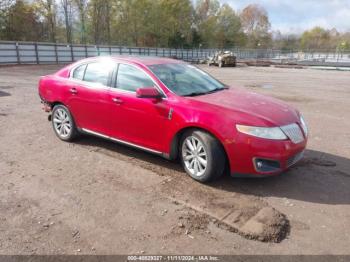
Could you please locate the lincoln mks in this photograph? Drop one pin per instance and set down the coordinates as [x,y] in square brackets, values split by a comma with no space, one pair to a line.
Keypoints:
[176,110]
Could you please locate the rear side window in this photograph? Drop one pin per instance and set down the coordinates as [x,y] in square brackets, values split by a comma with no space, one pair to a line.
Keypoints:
[79,72]
[97,73]
[130,78]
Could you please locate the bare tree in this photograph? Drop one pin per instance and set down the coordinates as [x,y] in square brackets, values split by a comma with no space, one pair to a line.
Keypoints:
[48,9]
[68,13]
[82,9]
[101,20]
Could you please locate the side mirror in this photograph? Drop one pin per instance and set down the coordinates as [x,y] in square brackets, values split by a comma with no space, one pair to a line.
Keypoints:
[148,92]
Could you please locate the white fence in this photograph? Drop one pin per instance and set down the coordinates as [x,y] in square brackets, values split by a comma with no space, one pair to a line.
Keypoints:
[54,53]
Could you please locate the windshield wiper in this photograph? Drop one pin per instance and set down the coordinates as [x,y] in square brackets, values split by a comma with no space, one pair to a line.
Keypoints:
[195,94]
[207,92]
[216,89]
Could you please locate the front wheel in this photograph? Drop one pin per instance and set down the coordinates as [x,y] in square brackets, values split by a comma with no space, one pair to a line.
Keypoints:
[63,123]
[202,156]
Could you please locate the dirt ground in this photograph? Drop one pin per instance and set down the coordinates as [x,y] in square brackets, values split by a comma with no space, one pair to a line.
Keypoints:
[97,197]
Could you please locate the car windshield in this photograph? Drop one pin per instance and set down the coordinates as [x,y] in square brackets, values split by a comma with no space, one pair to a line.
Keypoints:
[186,80]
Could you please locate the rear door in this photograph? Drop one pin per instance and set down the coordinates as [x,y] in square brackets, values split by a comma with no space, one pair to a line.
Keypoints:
[89,100]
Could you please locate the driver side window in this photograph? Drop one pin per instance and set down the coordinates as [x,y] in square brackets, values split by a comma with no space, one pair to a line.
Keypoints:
[130,78]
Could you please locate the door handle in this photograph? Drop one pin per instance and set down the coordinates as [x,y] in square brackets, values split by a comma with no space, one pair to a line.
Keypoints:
[73,90]
[117,100]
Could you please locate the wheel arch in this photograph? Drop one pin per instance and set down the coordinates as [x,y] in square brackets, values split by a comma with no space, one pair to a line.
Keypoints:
[55,103]
[175,142]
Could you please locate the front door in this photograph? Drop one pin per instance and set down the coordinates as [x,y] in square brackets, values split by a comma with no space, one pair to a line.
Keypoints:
[141,121]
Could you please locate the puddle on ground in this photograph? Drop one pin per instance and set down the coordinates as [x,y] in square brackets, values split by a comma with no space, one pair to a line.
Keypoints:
[2,93]
[265,85]
[6,87]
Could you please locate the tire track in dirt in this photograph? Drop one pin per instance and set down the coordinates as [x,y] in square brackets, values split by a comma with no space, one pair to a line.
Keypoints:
[249,216]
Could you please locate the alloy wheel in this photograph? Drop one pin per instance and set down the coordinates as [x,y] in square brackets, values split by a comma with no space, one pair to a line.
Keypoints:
[194,156]
[62,123]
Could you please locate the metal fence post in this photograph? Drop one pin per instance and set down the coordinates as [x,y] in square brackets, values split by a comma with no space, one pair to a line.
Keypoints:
[71,52]
[86,52]
[36,53]
[56,55]
[120,50]
[98,50]
[17,53]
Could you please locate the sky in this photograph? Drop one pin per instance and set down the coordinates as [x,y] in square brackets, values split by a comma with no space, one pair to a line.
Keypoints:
[295,16]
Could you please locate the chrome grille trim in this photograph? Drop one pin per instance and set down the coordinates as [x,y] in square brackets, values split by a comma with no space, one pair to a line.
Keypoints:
[293,132]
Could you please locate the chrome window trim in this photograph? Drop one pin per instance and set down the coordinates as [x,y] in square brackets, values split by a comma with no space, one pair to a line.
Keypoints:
[117,63]
[71,72]
[121,141]
[142,70]
[87,83]
[91,84]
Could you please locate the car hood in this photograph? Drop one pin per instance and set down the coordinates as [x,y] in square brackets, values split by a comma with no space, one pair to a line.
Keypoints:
[271,111]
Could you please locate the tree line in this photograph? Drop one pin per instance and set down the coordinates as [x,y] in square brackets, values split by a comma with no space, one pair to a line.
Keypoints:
[154,23]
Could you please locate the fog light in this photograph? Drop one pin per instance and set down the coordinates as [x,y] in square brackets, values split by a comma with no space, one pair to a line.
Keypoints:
[259,164]
[266,165]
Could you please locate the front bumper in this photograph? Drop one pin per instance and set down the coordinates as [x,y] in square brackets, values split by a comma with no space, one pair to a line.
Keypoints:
[259,157]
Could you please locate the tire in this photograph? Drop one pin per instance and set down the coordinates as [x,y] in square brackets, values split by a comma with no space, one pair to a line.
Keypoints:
[63,123]
[208,150]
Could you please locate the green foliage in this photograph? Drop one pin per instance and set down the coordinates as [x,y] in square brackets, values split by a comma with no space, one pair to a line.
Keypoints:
[344,45]
[316,38]
[218,26]
[19,22]
[285,42]
[256,25]
[158,23]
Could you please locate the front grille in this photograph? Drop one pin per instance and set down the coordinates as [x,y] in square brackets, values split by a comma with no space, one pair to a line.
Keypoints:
[294,159]
[293,132]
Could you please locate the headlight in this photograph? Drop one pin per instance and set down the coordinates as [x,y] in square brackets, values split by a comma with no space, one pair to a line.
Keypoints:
[303,125]
[263,132]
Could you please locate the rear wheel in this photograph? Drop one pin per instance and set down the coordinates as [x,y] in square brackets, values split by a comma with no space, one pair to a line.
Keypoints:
[202,156]
[63,123]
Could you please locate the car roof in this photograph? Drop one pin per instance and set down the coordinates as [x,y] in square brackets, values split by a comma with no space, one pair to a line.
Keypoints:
[143,60]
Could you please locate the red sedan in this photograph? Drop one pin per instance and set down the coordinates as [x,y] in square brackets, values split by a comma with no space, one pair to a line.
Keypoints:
[175,110]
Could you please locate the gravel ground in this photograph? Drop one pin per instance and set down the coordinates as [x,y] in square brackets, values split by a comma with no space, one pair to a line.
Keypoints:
[97,197]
